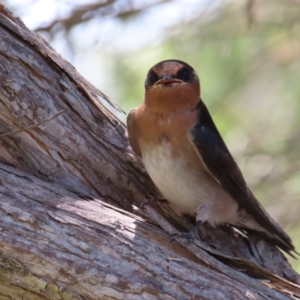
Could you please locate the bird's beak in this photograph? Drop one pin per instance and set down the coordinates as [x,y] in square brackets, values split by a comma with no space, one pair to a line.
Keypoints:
[167,81]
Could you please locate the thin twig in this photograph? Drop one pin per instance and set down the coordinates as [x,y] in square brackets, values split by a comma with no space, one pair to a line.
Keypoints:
[250,12]
[32,126]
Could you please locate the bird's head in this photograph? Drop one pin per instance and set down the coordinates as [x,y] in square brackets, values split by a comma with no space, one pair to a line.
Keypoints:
[171,86]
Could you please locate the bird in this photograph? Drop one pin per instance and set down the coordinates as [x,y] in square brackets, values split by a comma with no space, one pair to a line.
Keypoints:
[184,154]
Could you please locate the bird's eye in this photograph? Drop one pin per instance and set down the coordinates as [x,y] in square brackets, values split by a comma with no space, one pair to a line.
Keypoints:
[183,74]
[152,78]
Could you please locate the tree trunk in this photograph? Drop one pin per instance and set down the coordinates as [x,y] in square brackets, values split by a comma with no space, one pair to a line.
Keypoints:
[69,187]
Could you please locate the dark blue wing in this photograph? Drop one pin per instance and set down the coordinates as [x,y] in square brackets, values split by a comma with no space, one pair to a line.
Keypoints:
[226,172]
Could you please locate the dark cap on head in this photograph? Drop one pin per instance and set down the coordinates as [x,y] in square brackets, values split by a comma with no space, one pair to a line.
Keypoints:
[171,69]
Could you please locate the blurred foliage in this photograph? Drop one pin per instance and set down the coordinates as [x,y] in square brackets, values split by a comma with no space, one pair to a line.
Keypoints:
[247,54]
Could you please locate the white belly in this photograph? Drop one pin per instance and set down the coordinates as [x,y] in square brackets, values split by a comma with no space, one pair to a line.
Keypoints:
[167,175]
[188,186]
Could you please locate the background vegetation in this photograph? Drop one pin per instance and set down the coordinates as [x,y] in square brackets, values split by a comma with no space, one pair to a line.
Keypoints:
[247,54]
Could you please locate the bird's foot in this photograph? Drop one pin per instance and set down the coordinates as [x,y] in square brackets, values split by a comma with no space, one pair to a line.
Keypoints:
[150,202]
[191,235]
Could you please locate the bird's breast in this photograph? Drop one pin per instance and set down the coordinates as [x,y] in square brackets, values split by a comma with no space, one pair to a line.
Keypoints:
[174,175]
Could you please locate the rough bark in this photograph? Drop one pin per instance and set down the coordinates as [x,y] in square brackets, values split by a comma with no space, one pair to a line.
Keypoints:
[68,183]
